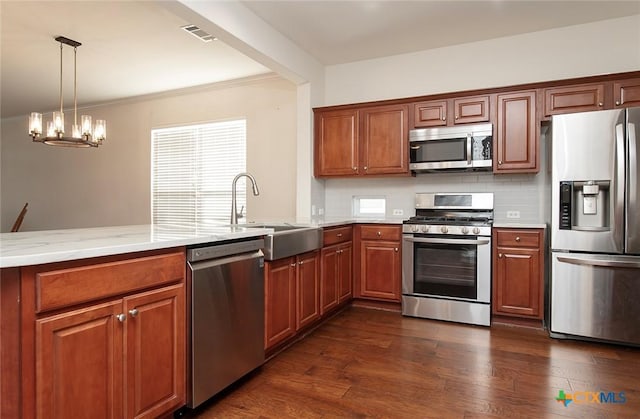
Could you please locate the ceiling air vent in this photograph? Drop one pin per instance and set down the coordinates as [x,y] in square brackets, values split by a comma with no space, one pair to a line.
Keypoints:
[199,33]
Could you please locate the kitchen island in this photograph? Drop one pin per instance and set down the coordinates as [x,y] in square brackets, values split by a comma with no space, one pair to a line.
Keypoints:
[94,320]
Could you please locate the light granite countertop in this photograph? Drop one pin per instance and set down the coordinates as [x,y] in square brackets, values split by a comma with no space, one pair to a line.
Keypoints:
[36,247]
[519,225]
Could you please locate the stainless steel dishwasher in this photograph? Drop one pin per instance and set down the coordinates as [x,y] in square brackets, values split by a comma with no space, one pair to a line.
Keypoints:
[227,315]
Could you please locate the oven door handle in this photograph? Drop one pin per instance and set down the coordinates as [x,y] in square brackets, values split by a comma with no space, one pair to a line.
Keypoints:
[447,241]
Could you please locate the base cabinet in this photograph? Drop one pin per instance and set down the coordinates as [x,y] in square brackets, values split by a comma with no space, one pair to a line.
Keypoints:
[336,268]
[85,357]
[518,283]
[291,296]
[379,262]
[101,338]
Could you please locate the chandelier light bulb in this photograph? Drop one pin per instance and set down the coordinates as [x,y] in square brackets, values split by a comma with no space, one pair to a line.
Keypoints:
[85,121]
[100,133]
[58,122]
[35,124]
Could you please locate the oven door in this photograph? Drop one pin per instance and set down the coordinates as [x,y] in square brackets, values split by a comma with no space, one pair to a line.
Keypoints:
[456,268]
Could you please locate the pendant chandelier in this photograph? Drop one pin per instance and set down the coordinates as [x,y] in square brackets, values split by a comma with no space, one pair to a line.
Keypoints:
[83,135]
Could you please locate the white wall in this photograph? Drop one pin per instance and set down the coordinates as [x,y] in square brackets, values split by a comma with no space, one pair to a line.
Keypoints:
[609,46]
[110,185]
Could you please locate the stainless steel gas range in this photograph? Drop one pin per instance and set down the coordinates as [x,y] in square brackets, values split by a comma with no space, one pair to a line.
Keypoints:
[446,252]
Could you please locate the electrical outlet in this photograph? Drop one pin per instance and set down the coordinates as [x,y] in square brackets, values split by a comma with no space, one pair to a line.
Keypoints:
[320,211]
[513,214]
[313,210]
[397,212]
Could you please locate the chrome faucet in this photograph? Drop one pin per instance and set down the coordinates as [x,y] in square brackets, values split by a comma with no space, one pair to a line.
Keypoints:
[256,192]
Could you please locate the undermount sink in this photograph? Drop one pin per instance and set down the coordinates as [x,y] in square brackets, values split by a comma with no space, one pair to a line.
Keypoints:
[289,240]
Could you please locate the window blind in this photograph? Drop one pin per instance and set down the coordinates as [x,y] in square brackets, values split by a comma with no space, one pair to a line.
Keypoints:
[192,168]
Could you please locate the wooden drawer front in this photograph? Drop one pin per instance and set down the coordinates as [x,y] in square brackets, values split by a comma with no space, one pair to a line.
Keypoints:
[471,109]
[583,98]
[518,238]
[66,287]
[430,114]
[380,232]
[336,235]
[627,92]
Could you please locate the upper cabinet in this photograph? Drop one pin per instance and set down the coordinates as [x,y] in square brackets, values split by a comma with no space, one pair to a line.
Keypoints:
[516,143]
[336,143]
[626,93]
[580,98]
[462,110]
[362,142]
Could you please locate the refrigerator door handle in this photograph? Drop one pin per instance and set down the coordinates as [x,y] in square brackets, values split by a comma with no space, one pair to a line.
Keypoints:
[619,188]
[632,243]
[607,262]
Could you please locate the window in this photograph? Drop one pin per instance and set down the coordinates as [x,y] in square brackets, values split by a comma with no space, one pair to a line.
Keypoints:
[192,168]
[369,206]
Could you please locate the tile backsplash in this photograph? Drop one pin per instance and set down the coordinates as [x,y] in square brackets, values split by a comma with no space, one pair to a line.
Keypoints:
[523,193]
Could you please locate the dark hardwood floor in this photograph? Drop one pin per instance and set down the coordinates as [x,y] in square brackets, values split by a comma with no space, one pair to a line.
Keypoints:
[372,363]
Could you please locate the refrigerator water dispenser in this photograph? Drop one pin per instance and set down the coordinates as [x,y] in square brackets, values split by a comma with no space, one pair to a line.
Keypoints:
[584,205]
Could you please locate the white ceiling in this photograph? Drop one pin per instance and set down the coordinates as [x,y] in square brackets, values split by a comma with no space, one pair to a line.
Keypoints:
[131,48]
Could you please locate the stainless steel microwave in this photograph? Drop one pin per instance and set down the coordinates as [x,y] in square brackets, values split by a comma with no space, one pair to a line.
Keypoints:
[464,147]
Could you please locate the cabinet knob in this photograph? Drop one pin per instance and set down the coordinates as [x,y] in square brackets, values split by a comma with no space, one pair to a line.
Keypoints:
[396,249]
[617,103]
[339,235]
[517,238]
[293,265]
[339,251]
[499,161]
[365,168]
[379,234]
[121,317]
[600,104]
[456,116]
[355,168]
[500,255]
[133,312]
[443,118]
[301,262]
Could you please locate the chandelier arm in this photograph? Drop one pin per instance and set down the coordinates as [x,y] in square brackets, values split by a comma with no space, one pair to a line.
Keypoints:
[75,88]
[60,77]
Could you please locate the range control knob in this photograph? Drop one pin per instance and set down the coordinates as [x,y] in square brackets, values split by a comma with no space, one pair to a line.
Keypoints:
[424,229]
[444,229]
[414,229]
[476,230]
[465,230]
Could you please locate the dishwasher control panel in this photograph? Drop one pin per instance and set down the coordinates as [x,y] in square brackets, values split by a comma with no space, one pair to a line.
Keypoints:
[216,251]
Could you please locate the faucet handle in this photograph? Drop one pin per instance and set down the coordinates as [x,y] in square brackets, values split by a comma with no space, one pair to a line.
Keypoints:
[241,211]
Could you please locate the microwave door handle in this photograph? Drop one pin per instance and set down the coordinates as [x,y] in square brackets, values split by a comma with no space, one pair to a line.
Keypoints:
[469,149]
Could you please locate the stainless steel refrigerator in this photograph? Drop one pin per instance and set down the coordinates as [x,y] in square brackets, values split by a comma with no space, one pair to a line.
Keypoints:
[595,226]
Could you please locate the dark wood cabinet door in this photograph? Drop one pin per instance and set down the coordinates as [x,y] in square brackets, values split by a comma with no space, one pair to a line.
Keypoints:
[430,114]
[280,301]
[516,144]
[345,272]
[329,278]
[626,93]
[568,99]
[155,352]
[470,109]
[336,142]
[385,141]
[308,285]
[380,270]
[517,288]
[79,363]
